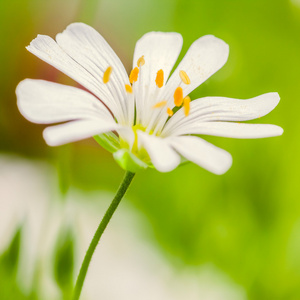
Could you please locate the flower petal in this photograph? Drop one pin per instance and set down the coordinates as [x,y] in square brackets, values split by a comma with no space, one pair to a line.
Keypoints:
[160,51]
[76,130]
[210,109]
[127,135]
[205,57]
[47,102]
[202,153]
[85,45]
[232,130]
[83,54]
[163,157]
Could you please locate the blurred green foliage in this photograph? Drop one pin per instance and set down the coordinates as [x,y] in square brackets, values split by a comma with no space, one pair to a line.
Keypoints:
[8,271]
[64,263]
[246,222]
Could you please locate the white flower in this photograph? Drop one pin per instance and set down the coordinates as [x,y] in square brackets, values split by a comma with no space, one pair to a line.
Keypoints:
[140,109]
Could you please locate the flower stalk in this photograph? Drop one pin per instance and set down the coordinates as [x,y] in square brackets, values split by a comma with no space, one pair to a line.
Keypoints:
[92,247]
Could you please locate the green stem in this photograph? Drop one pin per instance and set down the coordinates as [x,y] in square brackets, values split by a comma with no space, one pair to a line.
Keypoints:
[110,211]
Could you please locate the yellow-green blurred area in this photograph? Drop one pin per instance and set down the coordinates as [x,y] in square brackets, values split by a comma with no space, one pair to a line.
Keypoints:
[245,223]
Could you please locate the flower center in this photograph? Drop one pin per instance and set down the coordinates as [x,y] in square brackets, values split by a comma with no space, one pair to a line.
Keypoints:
[141,153]
[159,80]
[178,99]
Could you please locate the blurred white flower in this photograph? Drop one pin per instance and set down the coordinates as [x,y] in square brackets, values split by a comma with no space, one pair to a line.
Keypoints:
[29,197]
[140,108]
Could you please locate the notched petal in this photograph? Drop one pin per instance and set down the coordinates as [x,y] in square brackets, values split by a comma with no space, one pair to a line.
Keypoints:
[202,153]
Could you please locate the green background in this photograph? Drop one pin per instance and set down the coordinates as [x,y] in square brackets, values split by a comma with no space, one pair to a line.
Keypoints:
[245,222]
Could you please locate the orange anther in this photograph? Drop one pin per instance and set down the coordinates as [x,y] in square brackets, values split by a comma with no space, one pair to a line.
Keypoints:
[186,105]
[178,96]
[128,88]
[140,61]
[133,77]
[106,74]
[184,77]
[159,78]
[160,104]
[170,112]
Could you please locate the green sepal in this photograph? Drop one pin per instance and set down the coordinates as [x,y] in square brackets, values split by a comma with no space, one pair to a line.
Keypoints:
[128,161]
[108,141]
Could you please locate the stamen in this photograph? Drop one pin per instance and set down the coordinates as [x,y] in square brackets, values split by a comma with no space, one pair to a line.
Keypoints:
[133,77]
[106,74]
[186,105]
[184,77]
[140,61]
[160,104]
[128,88]
[170,112]
[178,96]
[159,78]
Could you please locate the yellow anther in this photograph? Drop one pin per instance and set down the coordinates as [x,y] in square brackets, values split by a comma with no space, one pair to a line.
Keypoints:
[178,96]
[128,88]
[159,78]
[186,105]
[160,104]
[106,74]
[141,61]
[184,77]
[133,77]
[170,112]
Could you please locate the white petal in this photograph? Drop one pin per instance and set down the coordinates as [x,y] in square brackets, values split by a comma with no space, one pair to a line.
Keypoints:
[160,51]
[202,153]
[223,109]
[163,157]
[86,46]
[205,57]
[46,102]
[76,130]
[232,130]
[84,55]
[127,134]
